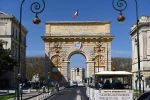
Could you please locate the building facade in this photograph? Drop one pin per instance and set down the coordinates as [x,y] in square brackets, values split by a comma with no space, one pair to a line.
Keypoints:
[78,76]
[9,32]
[144,48]
[92,39]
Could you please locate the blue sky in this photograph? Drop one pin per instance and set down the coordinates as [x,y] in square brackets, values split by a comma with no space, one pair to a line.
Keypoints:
[89,10]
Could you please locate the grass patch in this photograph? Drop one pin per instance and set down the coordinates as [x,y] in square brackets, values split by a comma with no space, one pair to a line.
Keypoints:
[6,97]
[136,95]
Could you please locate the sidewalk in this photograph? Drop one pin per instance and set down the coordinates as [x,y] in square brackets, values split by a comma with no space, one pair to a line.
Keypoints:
[27,96]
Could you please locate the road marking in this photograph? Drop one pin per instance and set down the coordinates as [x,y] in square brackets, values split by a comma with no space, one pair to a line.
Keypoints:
[78,91]
[79,97]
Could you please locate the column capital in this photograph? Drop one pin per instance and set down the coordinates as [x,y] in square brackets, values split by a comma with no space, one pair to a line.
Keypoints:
[89,61]
[65,61]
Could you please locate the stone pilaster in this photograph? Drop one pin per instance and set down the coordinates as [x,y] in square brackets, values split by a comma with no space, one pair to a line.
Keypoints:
[65,71]
[90,68]
[80,75]
[74,76]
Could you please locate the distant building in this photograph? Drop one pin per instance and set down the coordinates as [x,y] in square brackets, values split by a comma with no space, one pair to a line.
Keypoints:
[9,34]
[75,76]
[144,48]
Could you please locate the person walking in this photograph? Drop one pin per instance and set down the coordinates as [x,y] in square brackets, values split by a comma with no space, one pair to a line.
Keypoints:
[37,86]
[44,87]
[57,86]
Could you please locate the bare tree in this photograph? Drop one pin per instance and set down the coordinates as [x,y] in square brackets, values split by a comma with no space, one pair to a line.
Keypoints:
[35,65]
[122,64]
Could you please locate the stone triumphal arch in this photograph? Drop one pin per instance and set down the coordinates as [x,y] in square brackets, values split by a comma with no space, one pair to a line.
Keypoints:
[63,39]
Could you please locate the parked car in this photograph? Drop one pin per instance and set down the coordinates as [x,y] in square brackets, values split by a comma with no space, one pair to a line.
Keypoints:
[74,83]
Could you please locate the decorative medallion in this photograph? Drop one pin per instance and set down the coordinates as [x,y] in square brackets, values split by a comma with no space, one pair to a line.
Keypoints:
[78,45]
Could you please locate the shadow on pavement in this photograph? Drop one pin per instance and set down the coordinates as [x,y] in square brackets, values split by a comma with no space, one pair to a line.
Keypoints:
[144,96]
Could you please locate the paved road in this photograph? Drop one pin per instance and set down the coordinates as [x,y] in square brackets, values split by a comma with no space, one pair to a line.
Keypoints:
[71,94]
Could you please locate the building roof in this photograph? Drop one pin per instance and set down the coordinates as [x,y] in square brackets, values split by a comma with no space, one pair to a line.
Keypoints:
[116,73]
[4,15]
[143,21]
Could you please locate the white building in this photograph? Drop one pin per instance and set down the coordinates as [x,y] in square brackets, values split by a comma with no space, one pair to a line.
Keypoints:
[75,76]
[9,32]
[144,48]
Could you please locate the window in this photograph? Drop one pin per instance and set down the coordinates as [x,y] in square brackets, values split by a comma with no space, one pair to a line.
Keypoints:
[99,69]
[16,53]
[56,69]
[13,32]
[25,40]
[16,35]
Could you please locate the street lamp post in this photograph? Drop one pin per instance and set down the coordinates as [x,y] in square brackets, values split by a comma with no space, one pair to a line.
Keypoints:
[35,21]
[107,56]
[92,54]
[57,63]
[48,82]
[99,50]
[122,4]
[49,68]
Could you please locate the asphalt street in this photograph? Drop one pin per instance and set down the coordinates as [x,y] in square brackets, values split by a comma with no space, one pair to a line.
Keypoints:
[72,93]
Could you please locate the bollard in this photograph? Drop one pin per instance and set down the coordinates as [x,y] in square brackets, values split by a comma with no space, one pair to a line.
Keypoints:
[29,90]
[7,91]
[37,97]
[41,97]
[147,86]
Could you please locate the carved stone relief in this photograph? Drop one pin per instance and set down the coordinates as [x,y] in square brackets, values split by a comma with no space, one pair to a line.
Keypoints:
[56,60]
[99,60]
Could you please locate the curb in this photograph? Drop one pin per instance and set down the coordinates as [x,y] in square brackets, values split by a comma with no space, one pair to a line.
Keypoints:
[54,93]
[32,96]
[26,98]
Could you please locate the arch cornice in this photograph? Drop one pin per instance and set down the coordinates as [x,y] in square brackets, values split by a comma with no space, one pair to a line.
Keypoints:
[77,22]
[78,38]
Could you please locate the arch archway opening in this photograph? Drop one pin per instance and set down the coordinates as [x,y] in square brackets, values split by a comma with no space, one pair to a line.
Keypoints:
[77,67]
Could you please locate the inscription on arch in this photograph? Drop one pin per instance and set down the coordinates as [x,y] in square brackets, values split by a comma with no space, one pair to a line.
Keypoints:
[76,30]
